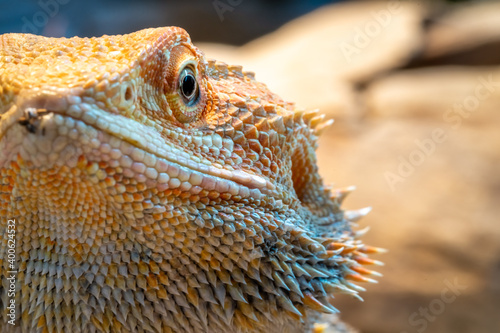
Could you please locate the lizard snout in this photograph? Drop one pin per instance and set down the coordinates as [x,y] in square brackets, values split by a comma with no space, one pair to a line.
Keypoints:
[34,105]
[34,111]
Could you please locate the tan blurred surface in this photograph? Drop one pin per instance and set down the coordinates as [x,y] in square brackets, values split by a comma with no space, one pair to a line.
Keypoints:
[422,145]
[316,60]
[467,28]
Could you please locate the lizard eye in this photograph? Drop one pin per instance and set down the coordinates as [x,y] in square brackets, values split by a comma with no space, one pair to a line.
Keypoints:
[188,86]
[186,89]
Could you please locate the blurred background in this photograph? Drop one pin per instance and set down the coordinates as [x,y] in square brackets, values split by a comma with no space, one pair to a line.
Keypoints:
[414,88]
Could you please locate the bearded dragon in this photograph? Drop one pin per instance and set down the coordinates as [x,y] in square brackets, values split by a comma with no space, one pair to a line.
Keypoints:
[153,190]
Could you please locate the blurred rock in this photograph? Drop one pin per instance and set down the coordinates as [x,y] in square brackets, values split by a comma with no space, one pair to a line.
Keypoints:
[449,94]
[468,34]
[439,222]
[352,41]
[316,60]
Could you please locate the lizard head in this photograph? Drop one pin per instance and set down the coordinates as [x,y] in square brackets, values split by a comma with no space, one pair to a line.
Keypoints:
[160,181]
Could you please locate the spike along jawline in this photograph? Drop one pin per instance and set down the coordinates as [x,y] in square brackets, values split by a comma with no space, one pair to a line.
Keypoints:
[313,268]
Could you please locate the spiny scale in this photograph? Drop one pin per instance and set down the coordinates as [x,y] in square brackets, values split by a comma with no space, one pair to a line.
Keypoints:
[138,212]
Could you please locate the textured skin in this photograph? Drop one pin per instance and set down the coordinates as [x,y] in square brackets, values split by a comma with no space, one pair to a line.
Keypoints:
[138,213]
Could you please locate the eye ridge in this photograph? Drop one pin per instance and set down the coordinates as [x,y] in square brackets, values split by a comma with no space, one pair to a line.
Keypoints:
[188,86]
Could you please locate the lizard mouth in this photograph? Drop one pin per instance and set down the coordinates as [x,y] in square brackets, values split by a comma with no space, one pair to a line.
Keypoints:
[134,135]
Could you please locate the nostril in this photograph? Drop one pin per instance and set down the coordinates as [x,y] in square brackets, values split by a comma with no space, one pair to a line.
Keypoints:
[128,94]
[34,106]
[31,119]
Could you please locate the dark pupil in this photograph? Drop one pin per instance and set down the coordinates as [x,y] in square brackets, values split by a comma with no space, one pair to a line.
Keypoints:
[188,86]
